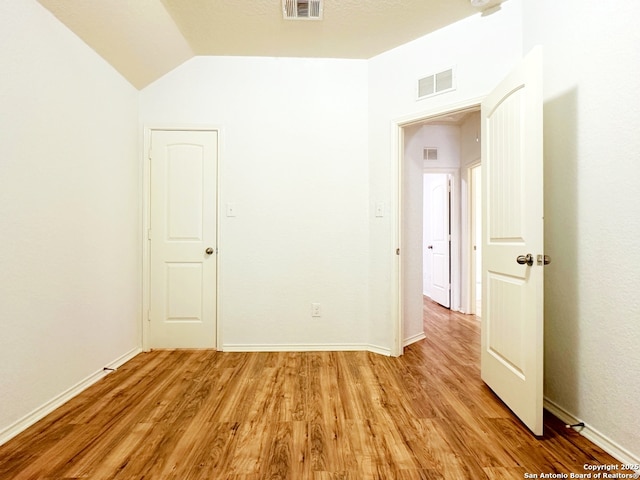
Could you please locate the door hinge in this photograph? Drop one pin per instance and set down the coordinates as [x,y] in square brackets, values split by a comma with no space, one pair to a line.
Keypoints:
[397,251]
[148,315]
[148,234]
[150,153]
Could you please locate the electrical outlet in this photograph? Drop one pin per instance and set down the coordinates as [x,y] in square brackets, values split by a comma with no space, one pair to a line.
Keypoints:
[315,310]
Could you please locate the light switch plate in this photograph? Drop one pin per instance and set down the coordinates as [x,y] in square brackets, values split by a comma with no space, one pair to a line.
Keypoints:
[231,210]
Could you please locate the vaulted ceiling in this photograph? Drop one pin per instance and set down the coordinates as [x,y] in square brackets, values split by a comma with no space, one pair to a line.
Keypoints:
[144,39]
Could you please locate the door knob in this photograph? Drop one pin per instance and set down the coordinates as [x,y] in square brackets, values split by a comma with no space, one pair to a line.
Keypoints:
[525,259]
[209,251]
[430,247]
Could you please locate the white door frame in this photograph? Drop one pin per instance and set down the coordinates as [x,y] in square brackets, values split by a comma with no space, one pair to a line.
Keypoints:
[146,224]
[472,226]
[397,145]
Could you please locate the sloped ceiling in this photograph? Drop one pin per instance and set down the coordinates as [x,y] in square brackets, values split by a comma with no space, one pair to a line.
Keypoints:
[144,39]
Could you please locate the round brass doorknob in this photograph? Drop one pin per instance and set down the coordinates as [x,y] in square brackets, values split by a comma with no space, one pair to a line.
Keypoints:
[209,251]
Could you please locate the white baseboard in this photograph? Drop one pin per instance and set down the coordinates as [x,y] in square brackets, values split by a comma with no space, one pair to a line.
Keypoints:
[605,443]
[413,339]
[379,350]
[331,347]
[39,413]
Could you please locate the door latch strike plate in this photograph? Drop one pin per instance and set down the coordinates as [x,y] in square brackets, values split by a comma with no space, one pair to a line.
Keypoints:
[543,259]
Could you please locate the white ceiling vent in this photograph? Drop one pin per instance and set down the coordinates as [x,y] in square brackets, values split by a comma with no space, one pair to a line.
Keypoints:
[302,9]
[430,153]
[436,83]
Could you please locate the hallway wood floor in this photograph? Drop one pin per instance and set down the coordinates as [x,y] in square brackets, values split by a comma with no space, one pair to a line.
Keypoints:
[314,415]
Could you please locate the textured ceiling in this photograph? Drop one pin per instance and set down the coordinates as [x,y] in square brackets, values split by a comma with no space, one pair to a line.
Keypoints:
[349,28]
[144,39]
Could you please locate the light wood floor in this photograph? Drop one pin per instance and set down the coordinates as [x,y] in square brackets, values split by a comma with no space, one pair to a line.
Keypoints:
[318,415]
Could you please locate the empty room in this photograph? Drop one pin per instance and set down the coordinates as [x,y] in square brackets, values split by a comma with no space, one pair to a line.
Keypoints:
[208,258]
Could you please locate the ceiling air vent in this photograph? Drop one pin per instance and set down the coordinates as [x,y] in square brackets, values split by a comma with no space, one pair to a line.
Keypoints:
[430,153]
[436,83]
[302,9]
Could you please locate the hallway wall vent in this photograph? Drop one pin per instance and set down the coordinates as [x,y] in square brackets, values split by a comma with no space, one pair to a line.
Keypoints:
[436,83]
[430,153]
[302,9]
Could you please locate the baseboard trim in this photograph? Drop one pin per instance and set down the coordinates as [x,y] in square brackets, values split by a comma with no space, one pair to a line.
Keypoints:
[331,347]
[612,448]
[379,350]
[413,339]
[39,413]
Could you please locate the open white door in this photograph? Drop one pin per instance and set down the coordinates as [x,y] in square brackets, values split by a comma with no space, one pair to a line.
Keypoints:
[183,239]
[440,241]
[512,318]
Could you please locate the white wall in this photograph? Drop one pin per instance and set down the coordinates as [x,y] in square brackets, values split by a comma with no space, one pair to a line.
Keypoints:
[446,138]
[294,162]
[470,139]
[483,49]
[69,210]
[592,211]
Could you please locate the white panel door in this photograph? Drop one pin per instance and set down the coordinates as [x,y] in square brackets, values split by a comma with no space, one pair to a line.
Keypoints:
[183,239]
[512,317]
[439,215]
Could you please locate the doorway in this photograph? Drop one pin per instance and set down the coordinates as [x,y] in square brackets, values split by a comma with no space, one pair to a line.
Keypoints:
[437,238]
[512,343]
[447,144]
[180,251]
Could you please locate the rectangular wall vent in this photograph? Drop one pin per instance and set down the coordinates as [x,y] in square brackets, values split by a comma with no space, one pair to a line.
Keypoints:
[430,153]
[436,83]
[302,9]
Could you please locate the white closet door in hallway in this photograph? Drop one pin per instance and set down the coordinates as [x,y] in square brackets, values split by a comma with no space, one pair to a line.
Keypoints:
[437,248]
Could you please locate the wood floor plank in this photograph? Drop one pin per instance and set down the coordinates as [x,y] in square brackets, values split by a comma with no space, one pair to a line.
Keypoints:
[202,415]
